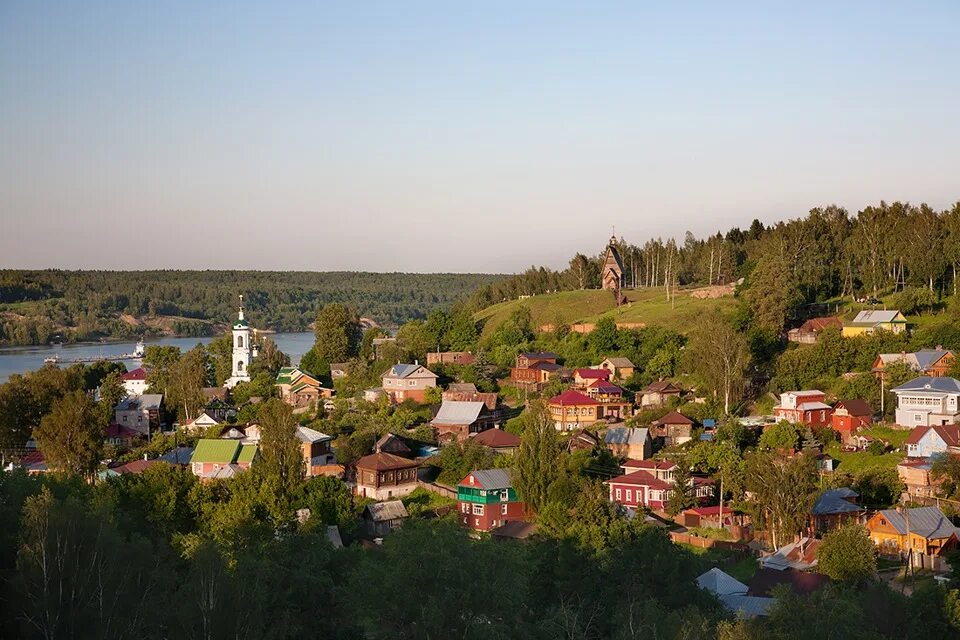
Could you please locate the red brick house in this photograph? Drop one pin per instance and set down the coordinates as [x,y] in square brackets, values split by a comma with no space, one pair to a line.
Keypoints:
[849,415]
[804,407]
[486,500]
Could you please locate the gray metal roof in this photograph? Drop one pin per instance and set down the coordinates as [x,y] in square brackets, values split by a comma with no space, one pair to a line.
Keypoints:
[719,582]
[458,412]
[383,511]
[405,370]
[875,317]
[625,435]
[833,501]
[306,434]
[333,535]
[930,384]
[493,478]
[146,401]
[928,522]
[747,606]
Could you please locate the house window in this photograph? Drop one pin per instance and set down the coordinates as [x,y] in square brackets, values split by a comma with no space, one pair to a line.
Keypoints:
[918,417]
[618,494]
[629,495]
[465,507]
[478,509]
[124,418]
[504,495]
[412,383]
[197,468]
[503,509]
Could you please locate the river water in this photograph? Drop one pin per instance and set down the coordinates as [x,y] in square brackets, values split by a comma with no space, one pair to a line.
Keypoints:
[22,359]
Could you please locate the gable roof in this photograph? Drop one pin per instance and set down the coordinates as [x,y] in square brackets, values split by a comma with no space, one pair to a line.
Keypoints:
[719,582]
[801,555]
[490,479]
[801,582]
[604,386]
[462,387]
[390,443]
[819,324]
[641,478]
[659,465]
[539,355]
[147,401]
[306,434]
[115,430]
[835,501]
[626,435]
[385,511]
[620,363]
[407,370]
[571,397]
[593,374]
[490,399]
[613,255]
[673,417]
[215,450]
[496,438]
[662,386]
[458,412]
[384,462]
[927,522]
[135,467]
[930,383]
[856,407]
[872,318]
[137,374]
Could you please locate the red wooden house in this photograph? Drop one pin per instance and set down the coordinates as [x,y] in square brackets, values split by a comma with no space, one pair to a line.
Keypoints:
[804,407]
[850,415]
[534,369]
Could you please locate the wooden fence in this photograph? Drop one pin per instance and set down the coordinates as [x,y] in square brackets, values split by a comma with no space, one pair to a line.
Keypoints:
[443,490]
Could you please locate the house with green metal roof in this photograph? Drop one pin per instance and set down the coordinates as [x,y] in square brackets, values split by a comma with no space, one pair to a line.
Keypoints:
[217,458]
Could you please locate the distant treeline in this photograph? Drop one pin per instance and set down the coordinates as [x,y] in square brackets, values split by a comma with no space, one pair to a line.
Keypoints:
[37,306]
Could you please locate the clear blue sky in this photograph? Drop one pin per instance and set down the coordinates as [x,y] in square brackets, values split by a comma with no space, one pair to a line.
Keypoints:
[454,136]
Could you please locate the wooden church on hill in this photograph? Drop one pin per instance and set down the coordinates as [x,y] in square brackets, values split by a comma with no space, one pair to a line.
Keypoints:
[611,275]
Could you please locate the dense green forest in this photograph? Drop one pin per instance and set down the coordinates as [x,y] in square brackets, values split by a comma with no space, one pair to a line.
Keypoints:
[39,306]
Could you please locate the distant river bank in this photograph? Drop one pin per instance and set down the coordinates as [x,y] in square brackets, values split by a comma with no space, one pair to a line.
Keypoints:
[22,359]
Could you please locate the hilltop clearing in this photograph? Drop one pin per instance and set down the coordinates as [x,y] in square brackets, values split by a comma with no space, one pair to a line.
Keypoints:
[647,306]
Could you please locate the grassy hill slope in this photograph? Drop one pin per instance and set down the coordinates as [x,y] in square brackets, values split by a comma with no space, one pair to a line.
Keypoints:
[649,306]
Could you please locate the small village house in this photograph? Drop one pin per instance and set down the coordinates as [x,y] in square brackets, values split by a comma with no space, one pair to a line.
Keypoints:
[298,388]
[121,436]
[486,500]
[135,381]
[931,534]
[809,331]
[201,423]
[582,440]
[450,357]
[382,518]
[216,458]
[914,473]
[393,444]
[615,403]
[849,416]
[339,370]
[657,394]
[804,407]
[408,382]
[626,442]
[924,442]
[583,378]
[675,428]
[315,447]
[495,409]
[649,483]
[928,401]
[619,368]
[498,440]
[140,412]
[571,410]
[384,476]
[835,508]
[935,363]
[458,420]
[869,322]
[534,369]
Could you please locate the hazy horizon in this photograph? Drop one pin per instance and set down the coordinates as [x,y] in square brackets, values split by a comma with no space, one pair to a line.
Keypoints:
[421,137]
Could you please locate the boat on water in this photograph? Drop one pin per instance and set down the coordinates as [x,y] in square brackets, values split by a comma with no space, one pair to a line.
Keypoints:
[136,354]
[54,359]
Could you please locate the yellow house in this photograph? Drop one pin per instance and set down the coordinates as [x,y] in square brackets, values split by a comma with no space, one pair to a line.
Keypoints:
[930,532]
[868,322]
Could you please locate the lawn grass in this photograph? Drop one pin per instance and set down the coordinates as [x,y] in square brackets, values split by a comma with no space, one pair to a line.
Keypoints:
[896,437]
[648,306]
[857,461]
[739,565]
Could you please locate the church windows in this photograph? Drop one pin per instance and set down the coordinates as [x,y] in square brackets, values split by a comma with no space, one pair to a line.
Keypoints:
[239,365]
[240,341]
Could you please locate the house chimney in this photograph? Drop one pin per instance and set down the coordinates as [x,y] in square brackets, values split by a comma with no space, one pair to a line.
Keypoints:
[416,362]
[144,457]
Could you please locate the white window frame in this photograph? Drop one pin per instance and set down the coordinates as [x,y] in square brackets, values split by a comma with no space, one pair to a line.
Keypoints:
[477,509]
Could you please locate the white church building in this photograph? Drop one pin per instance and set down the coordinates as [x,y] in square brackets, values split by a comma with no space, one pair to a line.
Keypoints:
[243,351]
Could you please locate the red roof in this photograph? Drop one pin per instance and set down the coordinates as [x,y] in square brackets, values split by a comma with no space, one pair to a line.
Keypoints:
[662,465]
[856,407]
[119,431]
[137,466]
[595,374]
[571,397]
[949,432]
[497,438]
[604,386]
[819,324]
[673,418]
[641,478]
[137,374]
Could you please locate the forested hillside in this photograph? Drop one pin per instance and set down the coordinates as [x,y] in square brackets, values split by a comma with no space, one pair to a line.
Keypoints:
[38,306]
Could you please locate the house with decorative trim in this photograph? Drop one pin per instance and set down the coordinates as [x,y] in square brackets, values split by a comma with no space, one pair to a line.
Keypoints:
[804,407]
[657,394]
[486,500]
[849,416]
[924,442]
[384,476]
[458,420]
[649,483]
[923,531]
[928,401]
[534,369]
[935,363]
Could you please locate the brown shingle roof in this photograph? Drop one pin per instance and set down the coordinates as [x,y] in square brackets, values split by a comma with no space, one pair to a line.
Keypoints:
[673,418]
[856,407]
[494,438]
[384,462]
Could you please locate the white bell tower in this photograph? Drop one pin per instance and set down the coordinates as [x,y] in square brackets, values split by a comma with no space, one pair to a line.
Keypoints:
[241,351]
